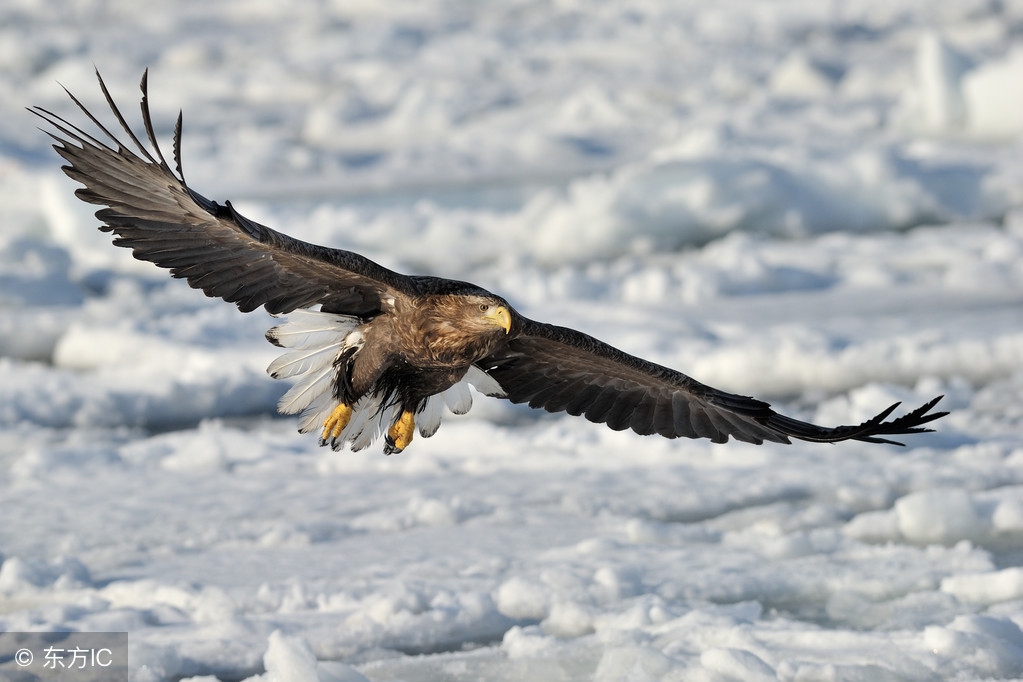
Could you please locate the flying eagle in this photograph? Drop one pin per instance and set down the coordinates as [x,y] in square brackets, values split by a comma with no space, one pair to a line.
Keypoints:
[374,350]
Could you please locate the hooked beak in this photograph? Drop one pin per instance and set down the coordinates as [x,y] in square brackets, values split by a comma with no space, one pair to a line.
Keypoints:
[501,317]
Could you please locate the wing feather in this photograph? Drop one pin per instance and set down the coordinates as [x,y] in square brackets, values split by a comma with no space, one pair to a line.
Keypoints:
[561,369]
[642,419]
[154,213]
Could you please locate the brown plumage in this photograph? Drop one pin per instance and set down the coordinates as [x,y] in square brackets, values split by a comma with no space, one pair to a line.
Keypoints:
[373,349]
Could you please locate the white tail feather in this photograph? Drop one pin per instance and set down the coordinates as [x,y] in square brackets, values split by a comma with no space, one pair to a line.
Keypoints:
[369,418]
[311,328]
[428,420]
[317,339]
[483,382]
[302,362]
[307,391]
[316,414]
[458,398]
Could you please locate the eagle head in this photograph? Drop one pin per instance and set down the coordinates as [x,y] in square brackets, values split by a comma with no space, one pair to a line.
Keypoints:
[495,313]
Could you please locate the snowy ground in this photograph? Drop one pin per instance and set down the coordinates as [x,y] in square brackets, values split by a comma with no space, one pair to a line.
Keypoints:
[815,203]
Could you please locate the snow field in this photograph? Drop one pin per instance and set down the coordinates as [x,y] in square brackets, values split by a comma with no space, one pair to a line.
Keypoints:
[818,204]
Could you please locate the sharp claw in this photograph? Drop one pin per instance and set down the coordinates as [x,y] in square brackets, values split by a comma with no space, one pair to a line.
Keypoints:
[400,434]
[335,423]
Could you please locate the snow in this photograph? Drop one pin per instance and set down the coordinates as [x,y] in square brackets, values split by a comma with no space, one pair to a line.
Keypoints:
[994,97]
[820,204]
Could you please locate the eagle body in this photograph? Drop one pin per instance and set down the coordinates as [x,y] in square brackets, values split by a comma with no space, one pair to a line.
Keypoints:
[373,351]
[415,349]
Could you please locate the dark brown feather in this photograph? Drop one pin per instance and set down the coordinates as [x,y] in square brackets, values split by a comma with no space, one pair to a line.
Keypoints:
[212,246]
[557,369]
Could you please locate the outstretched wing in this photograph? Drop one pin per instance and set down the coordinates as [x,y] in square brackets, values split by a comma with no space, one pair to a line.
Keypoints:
[152,211]
[563,370]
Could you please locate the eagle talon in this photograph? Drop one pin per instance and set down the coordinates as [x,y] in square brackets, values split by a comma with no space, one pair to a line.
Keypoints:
[334,424]
[400,434]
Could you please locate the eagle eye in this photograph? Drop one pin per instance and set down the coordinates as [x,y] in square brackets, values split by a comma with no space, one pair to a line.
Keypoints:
[484,307]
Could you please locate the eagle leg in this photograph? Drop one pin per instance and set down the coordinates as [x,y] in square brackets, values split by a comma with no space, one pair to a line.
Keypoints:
[336,423]
[400,434]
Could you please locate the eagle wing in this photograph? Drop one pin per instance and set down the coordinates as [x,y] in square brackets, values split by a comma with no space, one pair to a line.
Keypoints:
[153,211]
[564,370]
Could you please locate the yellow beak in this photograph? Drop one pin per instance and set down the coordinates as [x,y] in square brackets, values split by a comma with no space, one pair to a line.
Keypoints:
[501,317]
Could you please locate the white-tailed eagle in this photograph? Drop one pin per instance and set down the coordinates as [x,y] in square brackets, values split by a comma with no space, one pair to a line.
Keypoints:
[374,350]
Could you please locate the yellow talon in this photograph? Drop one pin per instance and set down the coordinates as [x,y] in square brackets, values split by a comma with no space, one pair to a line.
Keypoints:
[400,434]
[336,422]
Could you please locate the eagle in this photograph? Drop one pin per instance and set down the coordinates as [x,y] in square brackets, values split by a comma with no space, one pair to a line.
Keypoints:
[372,351]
